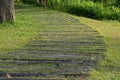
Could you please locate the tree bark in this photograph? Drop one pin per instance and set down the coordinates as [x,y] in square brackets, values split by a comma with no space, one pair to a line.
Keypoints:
[44,3]
[2,11]
[7,10]
[38,2]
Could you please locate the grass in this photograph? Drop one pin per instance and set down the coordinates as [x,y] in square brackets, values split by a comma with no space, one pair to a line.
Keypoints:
[57,27]
[108,68]
[14,35]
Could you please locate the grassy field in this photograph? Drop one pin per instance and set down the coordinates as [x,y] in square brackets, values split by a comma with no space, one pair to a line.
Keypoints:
[15,35]
[108,68]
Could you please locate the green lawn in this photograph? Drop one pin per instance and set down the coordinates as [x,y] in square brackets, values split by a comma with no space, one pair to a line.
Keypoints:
[15,35]
[110,67]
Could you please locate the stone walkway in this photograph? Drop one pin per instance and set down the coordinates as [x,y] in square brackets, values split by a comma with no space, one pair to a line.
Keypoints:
[63,48]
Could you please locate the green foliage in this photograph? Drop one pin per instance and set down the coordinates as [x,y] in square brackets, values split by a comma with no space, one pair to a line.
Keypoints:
[96,9]
[86,8]
[117,3]
[29,1]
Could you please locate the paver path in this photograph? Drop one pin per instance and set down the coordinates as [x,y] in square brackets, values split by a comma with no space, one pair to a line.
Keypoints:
[64,47]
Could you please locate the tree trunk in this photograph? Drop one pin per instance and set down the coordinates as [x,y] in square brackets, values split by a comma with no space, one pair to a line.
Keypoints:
[44,3]
[7,10]
[38,2]
[2,11]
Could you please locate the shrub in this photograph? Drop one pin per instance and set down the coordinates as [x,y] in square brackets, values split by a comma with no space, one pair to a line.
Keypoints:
[90,10]
[29,1]
[113,14]
[86,8]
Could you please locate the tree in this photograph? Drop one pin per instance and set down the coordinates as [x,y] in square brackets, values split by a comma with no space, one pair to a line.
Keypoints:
[7,10]
[38,1]
[43,2]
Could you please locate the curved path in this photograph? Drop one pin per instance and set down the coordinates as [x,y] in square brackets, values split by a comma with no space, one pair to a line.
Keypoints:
[64,47]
